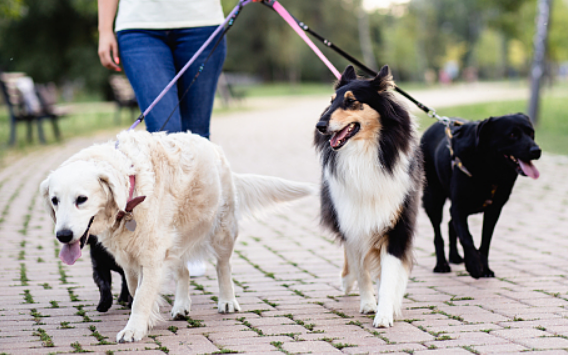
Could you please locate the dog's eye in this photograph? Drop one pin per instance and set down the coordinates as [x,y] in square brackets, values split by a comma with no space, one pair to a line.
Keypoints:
[55,201]
[81,200]
[513,135]
[349,101]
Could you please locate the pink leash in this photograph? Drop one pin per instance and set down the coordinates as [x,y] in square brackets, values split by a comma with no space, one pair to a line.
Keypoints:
[288,18]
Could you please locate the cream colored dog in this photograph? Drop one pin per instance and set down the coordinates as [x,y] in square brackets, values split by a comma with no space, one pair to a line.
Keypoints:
[185,203]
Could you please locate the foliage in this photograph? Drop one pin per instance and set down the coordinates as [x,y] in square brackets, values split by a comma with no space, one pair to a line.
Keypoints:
[56,40]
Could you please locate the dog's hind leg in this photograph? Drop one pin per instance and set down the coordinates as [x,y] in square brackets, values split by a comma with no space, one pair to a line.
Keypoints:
[182,303]
[391,288]
[357,267]
[433,203]
[348,277]
[223,250]
[455,257]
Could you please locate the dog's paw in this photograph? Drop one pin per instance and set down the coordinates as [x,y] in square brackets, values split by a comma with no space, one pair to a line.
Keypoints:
[347,284]
[368,307]
[228,306]
[128,335]
[455,258]
[105,302]
[442,267]
[383,320]
[181,309]
[487,272]
[473,264]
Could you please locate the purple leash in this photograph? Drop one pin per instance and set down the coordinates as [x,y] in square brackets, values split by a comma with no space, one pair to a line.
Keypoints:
[187,65]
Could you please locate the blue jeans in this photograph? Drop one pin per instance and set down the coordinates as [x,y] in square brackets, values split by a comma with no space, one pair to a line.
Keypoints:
[151,58]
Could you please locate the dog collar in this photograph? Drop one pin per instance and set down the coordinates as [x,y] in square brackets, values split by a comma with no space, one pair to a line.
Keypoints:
[132,202]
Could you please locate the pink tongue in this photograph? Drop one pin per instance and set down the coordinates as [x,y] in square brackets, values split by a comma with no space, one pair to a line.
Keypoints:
[70,253]
[334,141]
[529,169]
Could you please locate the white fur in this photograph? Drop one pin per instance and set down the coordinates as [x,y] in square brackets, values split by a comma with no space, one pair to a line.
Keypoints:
[391,287]
[192,205]
[367,200]
[366,197]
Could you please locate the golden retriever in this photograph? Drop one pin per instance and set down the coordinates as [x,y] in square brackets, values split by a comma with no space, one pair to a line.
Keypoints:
[185,204]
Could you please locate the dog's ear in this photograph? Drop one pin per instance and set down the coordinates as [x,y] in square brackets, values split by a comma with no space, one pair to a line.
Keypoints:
[347,76]
[44,193]
[525,117]
[115,188]
[481,130]
[383,81]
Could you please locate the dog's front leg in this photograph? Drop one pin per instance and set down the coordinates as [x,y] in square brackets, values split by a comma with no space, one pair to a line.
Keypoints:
[391,288]
[131,280]
[357,266]
[490,218]
[143,305]
[473,262]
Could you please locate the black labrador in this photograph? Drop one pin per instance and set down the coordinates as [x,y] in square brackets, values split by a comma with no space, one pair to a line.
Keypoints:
[103,263]
[477,175]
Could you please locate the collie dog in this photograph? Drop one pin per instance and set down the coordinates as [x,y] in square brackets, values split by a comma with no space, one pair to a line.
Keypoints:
[371,180]
[155,203]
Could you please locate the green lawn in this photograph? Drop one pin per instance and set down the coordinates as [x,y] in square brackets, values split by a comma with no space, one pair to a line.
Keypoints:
[92,117]
[551,129]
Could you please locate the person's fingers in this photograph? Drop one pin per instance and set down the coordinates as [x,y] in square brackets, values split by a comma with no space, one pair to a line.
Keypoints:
[108,54]
[116,58]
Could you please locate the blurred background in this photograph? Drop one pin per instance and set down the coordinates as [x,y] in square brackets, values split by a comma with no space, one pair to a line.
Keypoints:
[436,46]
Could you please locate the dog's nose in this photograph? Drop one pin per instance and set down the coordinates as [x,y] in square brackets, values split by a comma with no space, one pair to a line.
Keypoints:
[322,126]
[64,235]
[535,152]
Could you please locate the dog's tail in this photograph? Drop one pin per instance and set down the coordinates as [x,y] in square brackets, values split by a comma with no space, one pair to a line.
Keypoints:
[256,192]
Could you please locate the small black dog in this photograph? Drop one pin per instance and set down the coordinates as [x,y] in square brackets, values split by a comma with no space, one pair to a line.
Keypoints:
[103,263]
[478,177]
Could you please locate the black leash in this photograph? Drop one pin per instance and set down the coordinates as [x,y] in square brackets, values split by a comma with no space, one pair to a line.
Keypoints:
[230,24]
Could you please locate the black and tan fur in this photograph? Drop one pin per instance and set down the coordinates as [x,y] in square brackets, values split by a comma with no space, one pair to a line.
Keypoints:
[371,180]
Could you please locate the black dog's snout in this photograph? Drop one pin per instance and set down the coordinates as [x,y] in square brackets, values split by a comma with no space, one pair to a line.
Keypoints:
[322,126]
[535,152]
[64,235]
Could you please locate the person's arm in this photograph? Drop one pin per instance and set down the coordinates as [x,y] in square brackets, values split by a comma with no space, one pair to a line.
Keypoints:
[108,47]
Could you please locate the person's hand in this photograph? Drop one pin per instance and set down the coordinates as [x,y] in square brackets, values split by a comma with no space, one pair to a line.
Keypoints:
[108,51]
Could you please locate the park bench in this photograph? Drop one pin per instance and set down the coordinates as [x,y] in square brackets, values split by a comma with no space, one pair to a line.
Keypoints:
[29,103]
[123,95]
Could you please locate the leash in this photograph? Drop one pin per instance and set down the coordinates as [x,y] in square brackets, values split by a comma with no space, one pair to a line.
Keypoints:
[229,19]
[276,6]
[298,26]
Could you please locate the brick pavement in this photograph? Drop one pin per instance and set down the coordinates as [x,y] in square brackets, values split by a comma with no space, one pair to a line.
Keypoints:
[287,272]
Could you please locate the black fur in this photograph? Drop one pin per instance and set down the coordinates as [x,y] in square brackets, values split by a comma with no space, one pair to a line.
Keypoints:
[482,147]
[103,263]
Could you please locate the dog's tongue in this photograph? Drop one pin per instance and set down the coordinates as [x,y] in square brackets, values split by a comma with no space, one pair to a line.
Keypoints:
[529,169]
[70,253]
[334,141]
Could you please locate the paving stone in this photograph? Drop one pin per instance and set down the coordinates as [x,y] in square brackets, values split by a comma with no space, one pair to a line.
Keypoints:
[523,308]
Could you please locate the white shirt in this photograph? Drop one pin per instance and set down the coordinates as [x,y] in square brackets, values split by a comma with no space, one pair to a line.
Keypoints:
[167,14]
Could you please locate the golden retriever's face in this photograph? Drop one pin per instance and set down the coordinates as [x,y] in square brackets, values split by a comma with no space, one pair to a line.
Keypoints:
[75,194]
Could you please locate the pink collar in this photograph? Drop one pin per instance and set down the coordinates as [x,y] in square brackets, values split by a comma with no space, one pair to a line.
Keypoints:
[132,202]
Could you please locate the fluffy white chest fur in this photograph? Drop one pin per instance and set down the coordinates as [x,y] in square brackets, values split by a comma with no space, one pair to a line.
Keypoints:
[367,198]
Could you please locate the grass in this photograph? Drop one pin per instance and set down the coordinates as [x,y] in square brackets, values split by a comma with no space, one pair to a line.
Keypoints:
[551,129]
